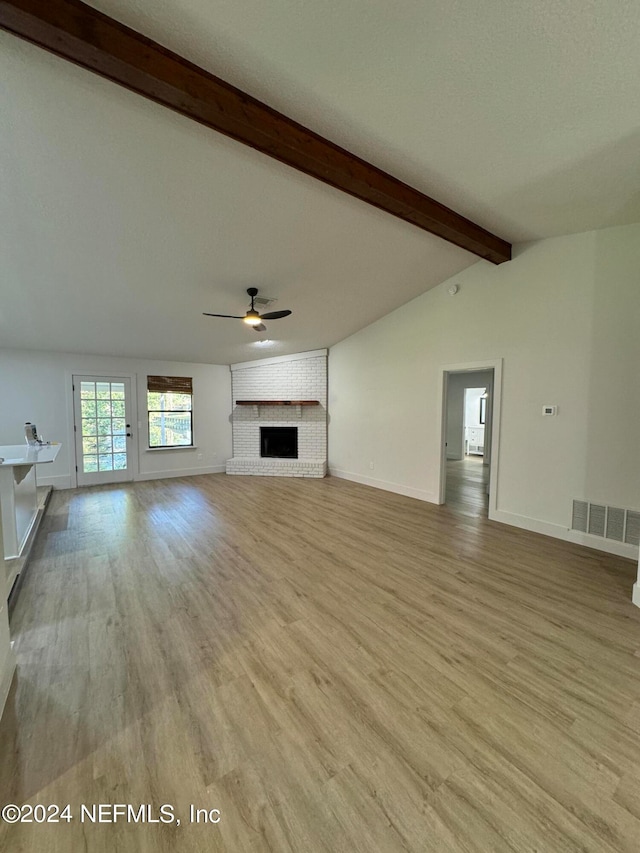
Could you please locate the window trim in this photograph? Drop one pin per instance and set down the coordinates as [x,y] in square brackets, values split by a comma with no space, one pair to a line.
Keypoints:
[179,390]
[164,448]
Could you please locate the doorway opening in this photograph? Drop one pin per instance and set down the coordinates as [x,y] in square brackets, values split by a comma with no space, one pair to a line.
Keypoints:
[469,442]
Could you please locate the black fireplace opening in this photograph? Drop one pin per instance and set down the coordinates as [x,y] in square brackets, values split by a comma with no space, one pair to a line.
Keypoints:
[279,442]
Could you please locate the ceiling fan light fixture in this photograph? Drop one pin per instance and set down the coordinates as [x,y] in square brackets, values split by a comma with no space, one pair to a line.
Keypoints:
[252,318]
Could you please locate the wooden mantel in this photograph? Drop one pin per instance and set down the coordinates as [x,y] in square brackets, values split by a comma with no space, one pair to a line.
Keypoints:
[277,402]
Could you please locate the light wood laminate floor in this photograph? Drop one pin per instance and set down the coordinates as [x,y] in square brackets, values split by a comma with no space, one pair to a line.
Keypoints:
[334,668]
[466,486]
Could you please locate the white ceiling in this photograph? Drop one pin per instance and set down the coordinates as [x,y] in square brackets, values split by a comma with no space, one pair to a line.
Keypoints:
[121,222]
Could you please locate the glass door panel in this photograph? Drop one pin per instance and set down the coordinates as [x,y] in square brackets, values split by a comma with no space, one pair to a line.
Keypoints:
[103,429]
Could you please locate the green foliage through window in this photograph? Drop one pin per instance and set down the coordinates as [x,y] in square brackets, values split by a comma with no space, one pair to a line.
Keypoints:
[169,419]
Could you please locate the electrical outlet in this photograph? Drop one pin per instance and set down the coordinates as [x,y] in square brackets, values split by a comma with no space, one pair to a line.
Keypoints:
[372,465]
[199,455]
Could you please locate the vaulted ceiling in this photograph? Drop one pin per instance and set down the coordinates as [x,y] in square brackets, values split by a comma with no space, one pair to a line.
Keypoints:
[122,221]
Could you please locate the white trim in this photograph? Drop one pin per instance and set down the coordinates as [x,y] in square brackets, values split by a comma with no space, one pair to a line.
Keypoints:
[398,488]
[64,482]
[12,568]
[165,448]
[57,481]
[7,676]
[71,415]
[144,446]
[547,528]
[71,436]
[178,472]
[635,598]
[279,359]
[33,525]
[496,406]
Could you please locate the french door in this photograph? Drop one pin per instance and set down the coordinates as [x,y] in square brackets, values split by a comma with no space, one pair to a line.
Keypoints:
[102,412]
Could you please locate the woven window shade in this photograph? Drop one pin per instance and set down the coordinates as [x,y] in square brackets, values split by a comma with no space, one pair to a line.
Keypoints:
[170,384]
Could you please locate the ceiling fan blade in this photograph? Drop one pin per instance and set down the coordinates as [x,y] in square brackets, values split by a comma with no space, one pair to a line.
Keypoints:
[260,327]
[230,316]
[274,315]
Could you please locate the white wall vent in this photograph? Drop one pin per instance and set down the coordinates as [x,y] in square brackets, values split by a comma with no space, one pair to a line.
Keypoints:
[632,533]
[597,518]
[261,302]
[615,524]
[580,516]
[610,522]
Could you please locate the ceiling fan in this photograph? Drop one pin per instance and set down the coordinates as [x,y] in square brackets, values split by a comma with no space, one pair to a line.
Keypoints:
[252,318]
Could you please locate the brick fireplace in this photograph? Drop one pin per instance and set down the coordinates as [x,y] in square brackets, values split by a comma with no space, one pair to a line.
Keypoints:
[282,392]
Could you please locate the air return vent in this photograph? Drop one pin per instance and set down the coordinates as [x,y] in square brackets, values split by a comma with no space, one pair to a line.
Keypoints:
[632,534]
[597,516]
[615,524]
[580,516]
[261,302]
[610,522]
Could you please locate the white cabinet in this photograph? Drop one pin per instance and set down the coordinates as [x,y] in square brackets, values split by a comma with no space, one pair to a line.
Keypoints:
[7,660]
[474,440]
[18,512]
[18,496]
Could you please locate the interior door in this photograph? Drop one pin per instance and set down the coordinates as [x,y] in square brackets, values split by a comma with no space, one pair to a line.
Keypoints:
[103,418]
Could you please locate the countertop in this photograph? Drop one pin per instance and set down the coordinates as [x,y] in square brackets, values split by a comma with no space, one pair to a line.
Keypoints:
[23,454]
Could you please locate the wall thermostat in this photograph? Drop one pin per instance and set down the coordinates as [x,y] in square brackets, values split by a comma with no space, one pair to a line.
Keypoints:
[548,411]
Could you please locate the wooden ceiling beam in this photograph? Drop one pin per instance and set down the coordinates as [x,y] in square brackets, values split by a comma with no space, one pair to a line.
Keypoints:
[79,33]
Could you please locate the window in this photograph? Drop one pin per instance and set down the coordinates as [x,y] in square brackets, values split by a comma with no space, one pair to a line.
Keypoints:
[483,408]
[169,401]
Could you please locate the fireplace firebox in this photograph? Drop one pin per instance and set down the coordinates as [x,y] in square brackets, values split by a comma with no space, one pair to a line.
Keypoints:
[279,442]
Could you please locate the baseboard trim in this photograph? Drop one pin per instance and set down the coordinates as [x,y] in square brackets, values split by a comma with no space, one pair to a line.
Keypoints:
[620,549]
[179,472]
[64,482]
[9,669]
[547,528]
[58,481]
[386,485]
[535,525]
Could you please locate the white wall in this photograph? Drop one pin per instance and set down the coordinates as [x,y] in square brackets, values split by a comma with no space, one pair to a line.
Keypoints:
[564,315]
[458,383]
[455,416]
[36,386]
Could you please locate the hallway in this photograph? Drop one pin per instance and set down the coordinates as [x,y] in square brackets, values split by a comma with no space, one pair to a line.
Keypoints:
[467,486]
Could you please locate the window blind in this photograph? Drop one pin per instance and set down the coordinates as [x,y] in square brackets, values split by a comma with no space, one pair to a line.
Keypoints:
[170,384]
